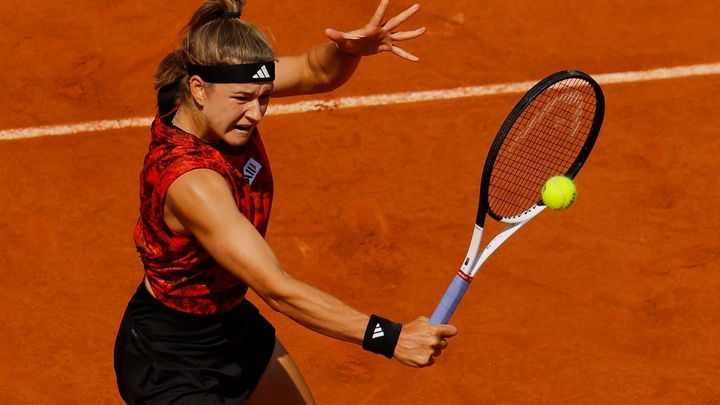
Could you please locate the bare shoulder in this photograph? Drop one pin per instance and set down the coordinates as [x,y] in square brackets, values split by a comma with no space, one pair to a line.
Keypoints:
[198,183]
[197,197]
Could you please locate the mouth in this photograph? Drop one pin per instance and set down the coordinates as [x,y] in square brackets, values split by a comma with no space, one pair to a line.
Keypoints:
[243,128]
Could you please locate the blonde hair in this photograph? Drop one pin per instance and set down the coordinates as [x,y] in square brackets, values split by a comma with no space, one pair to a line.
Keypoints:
[212,38]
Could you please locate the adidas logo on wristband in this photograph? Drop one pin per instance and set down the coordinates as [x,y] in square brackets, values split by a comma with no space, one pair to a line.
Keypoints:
[378,332]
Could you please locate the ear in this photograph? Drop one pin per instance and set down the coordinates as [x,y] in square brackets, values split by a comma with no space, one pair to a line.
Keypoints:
[197,90]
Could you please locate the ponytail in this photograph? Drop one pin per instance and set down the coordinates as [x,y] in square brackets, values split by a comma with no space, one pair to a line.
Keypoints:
[172,68]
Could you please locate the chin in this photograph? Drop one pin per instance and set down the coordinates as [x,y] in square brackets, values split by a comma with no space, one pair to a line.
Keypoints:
[237,139]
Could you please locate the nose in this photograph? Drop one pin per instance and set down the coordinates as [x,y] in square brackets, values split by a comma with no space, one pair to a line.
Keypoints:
[255,111]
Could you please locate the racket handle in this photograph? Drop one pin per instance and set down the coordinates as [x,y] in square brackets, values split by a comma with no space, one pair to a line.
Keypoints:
[450,300]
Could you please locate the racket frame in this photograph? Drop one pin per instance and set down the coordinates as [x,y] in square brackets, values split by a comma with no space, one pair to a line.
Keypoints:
[474,259]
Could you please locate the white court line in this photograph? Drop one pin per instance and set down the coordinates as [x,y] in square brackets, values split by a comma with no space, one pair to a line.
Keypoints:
[375,100]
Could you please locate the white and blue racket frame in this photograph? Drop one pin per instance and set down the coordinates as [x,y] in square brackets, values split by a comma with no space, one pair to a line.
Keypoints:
[473,261]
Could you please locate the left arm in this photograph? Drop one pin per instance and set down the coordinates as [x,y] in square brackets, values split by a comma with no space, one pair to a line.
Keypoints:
[327,66]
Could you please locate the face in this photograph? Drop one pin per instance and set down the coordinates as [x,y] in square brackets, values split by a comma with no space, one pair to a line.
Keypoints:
[232,111]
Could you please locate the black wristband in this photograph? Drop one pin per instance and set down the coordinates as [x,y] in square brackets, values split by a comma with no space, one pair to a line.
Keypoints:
[381,336]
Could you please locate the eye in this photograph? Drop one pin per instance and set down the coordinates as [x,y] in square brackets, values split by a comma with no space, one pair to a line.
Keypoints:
[241,99]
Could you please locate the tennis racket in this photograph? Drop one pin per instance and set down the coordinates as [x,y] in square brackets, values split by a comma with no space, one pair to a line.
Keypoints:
[550,132]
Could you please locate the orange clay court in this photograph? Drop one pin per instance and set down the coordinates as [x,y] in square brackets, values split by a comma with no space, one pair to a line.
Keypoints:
[613,301]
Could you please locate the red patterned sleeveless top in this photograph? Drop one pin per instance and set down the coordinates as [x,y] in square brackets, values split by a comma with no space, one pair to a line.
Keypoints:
[181,272]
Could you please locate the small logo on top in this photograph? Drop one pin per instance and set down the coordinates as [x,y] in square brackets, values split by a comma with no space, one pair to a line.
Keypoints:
[251,169]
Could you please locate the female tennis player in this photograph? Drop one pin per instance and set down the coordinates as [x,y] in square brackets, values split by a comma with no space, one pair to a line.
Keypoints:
[188,335]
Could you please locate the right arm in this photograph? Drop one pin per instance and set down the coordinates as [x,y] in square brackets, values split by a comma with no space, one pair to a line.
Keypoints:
[200,203]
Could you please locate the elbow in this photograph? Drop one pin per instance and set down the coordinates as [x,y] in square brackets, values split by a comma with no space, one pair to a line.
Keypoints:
[324,82]
[326,87]
[276,302]
[278,297]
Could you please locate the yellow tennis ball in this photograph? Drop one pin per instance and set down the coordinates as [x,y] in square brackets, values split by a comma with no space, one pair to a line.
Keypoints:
[558,193]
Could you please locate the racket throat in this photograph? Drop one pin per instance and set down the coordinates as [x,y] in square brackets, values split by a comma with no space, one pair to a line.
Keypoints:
[472,256]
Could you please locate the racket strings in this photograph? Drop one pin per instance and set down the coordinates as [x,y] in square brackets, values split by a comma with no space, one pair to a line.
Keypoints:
[545,140]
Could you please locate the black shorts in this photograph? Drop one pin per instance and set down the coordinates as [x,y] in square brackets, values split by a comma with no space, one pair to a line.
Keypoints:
[164,356]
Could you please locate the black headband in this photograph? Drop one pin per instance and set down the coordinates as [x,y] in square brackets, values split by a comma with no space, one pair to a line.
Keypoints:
[242,73]
[230,14]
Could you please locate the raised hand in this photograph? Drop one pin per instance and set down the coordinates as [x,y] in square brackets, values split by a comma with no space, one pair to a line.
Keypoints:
[377,36]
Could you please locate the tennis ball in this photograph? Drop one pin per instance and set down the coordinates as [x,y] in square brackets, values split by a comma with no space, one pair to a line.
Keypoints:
[558,193]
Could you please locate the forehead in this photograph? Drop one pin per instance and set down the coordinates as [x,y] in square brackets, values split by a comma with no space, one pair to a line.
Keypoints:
[244,88]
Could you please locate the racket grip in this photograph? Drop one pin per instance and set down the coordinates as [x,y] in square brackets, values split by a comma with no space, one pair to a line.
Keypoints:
[450,300]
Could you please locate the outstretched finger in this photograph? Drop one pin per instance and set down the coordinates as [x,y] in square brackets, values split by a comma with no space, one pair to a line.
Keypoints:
[337,36]
[392,23]
[333,34]
[404,54]
[379,13]
[405,35]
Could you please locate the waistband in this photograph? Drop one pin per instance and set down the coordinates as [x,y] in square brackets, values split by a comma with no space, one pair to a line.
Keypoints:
[146,310]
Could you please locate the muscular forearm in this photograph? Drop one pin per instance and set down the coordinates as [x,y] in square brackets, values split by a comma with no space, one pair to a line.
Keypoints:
[319,311]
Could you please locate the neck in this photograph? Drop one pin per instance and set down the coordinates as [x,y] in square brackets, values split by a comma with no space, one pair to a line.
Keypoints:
[190,120]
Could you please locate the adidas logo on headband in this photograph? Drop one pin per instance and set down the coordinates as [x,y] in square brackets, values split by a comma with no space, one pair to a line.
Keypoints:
[262,73]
